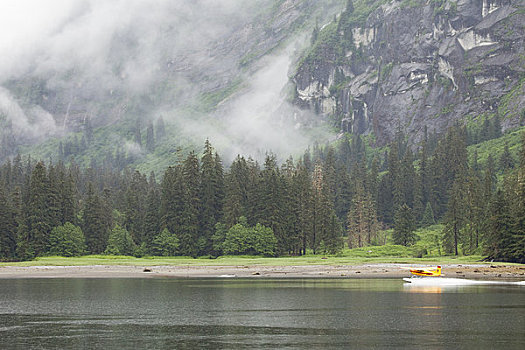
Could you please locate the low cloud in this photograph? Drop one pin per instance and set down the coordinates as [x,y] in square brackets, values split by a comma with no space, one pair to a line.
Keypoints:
[104,58]
[259,120]
[33,122]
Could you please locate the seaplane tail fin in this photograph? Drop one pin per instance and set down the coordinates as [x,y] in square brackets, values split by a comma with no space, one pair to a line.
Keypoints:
[438,270]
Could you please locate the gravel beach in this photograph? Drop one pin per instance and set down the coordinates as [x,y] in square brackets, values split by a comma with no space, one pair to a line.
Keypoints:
[474,271]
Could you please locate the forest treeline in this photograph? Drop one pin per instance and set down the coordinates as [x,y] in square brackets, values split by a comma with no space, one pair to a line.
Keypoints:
[332,197]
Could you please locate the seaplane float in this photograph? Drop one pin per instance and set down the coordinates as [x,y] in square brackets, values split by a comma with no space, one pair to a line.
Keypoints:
[433,276]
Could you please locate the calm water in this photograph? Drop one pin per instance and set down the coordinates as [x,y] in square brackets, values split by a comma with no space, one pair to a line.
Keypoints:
[262,313]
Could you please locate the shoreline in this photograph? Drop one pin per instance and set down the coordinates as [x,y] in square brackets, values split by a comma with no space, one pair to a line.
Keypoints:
[379,270]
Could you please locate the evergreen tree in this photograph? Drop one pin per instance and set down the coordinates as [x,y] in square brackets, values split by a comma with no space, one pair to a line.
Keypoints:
[326,229]
[188,233]
[450,161]
[394,176]
[455,217]
[362,220]
[404,226]
[152,218]
[489,180]
[499,229]
[172,199]
[236,194]
[475,167]
[514,246]
[385,200]
[38,216]
[303,198]
[506,160]
[474,214]
[428,217]
[496,127]
[315,34]
[291,237]
[95,225]
[344,153]
[372,183]
[135,211]
[330,174]
[307,161]
[407,177]
[485,133]
[54,201]
[317,211]
[8,226]
[270,195]
[67,198]
[218,238]
[211,195]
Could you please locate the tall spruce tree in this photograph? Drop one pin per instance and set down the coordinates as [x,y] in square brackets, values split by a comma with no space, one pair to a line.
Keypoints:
[152,218]
[211,195]
[506,160]
[362,219]
[191,242]
[428,216]
[172,199]
[499,228]
[474,214]
[455,217]
[94,222]
[303,197]
[8,226]
[404,226]
[39,215]
[135,208]
[270,196]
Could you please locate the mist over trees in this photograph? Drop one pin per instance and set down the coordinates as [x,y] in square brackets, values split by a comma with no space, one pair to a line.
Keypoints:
[330,198]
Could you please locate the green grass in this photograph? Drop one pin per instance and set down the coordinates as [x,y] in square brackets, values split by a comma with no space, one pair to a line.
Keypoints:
[506,101]
[428,242]
[495,147]
[350,257]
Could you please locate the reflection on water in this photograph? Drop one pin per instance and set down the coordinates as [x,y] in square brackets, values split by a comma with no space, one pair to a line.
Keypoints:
[422,289]
[257,313]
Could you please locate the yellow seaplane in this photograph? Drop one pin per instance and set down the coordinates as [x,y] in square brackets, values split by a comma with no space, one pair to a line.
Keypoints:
[419,274]
[427,272]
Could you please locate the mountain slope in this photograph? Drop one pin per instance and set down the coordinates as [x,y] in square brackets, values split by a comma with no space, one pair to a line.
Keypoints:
[179,60]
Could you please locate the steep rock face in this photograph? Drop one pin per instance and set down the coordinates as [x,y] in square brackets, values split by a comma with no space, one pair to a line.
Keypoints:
[416,64]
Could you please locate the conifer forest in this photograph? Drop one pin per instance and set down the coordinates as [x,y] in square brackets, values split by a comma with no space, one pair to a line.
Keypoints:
[331,198]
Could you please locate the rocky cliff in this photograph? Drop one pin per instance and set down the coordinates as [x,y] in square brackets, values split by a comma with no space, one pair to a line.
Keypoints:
[405,65]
